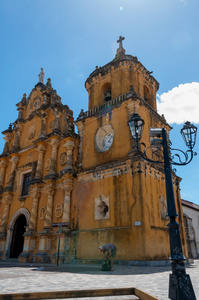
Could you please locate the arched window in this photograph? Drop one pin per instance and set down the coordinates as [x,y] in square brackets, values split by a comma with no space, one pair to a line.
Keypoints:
[26,184]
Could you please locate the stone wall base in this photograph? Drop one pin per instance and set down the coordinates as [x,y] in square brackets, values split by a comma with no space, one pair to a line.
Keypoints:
[42,257]
[152,263]
[65,257]
[25,257]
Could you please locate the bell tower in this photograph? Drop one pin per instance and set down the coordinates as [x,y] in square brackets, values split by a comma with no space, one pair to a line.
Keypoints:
[115,79]
[113,93]
[120,197]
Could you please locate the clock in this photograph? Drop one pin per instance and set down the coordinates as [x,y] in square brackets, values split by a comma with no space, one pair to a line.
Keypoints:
[104,138]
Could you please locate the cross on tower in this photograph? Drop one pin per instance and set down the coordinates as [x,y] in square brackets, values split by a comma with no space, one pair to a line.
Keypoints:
[121,38]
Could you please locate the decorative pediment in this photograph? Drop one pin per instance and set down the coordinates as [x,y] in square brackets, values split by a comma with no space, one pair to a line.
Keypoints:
[40,115]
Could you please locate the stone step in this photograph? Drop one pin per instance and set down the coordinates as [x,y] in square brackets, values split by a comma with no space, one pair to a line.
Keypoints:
[11,260]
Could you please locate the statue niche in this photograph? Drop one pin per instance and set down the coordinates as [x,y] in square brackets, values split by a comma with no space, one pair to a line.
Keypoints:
[101,207]
[163,208]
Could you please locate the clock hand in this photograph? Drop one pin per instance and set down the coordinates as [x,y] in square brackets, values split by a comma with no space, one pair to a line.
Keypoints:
[104,130]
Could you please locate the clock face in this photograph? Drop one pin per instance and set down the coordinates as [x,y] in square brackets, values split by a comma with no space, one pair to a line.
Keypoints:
[108,140]
[104,138]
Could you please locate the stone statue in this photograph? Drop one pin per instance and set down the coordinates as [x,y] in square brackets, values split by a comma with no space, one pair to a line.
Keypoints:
[41,75]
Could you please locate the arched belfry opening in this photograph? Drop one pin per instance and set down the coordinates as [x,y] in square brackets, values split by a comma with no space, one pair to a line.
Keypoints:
[106,91]
[18,236]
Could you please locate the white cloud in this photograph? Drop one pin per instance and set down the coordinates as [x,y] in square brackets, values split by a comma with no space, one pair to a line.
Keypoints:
[180,104]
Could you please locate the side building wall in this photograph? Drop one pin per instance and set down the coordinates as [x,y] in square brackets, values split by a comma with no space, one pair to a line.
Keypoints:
[191,223]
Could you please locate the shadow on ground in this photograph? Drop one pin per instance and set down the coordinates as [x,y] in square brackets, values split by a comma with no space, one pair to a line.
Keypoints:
[92,269]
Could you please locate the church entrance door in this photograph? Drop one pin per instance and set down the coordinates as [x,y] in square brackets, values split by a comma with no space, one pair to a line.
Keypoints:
[17,237]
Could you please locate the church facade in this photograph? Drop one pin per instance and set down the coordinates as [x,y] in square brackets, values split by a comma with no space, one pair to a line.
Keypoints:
[93,181]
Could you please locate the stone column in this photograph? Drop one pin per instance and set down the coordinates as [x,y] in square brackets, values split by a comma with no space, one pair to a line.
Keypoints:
[6,253]
[7,201]
[67,196]
[16,144]
[49,210]
[66,210]
[57,123]
[45,100]
[14,160]
[7,139]
[35,194]
[53,166]
[80,150]
[20,113]
[43,127]
[69,157]
[6,146]
[65,239]
[3,165]
[41,150]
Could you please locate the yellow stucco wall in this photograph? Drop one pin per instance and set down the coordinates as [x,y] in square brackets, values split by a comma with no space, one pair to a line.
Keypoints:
[128,203]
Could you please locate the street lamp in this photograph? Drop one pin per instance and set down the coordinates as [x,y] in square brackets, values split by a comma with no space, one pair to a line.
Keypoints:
[189,134]
[180,286]
[136,124]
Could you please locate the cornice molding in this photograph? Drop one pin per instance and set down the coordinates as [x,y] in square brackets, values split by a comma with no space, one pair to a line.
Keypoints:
[130,62]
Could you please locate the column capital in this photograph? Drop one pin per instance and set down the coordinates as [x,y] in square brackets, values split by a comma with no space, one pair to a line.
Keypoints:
[3,163]
[49,187]
[14,158]
[67,185]
[41,147]
[54,142]
[67,192]
[65,182]
[35,192]
[7,199]
[69,145]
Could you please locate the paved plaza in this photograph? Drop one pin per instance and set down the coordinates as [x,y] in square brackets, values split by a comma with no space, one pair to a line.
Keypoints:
[21,278]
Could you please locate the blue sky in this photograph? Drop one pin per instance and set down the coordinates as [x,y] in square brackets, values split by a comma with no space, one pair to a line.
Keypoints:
[69,38]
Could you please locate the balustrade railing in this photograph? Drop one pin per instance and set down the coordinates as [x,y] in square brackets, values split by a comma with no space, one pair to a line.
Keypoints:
[93,111]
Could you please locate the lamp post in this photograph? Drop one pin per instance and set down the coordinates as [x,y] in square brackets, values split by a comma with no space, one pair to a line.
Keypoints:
[180,286]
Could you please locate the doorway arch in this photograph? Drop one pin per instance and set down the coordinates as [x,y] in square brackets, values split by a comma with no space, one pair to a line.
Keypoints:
[16,219]
[17,237]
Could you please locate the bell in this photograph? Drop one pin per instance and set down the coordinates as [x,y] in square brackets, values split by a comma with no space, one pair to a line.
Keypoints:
[108,96]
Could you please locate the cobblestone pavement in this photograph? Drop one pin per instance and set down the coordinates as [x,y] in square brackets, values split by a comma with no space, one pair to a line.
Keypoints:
[21,278]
